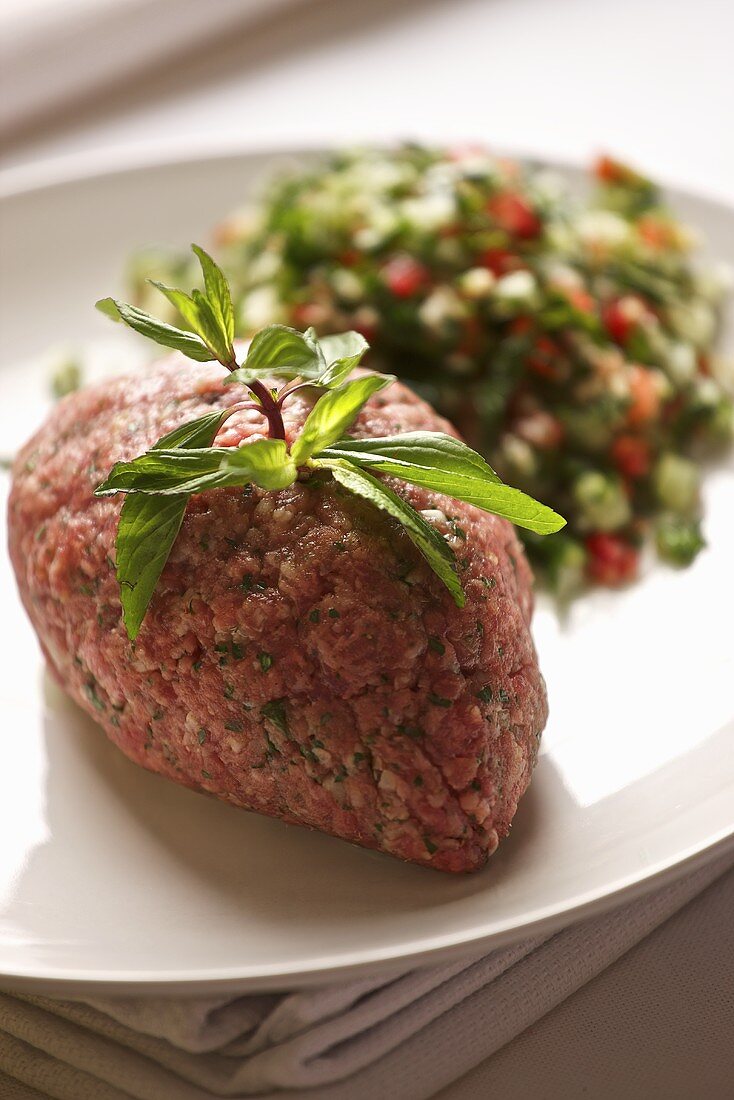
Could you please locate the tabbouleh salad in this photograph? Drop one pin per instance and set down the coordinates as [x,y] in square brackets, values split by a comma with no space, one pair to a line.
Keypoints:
[573,343]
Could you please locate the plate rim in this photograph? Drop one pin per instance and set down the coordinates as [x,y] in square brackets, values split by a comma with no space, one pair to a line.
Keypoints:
[89,166]
[326,971]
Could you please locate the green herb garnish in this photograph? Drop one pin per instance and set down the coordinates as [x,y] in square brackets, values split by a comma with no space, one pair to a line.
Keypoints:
[159,483]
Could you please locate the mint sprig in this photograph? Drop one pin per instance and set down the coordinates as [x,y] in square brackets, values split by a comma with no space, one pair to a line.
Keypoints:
[148,527]
[160,482]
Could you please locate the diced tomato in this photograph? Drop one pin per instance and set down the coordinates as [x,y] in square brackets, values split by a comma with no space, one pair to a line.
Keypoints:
[499,261]
[609,170]
[656,232]
[645,397]
[349,257]
[616,322]
[631,456]
[612,560]
[405,276]
[368,331]
[515,215]
[622,315]
[519,326]
[580,299]
[543,359]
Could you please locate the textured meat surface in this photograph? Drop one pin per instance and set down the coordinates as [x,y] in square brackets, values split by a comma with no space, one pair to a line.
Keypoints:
[299,658]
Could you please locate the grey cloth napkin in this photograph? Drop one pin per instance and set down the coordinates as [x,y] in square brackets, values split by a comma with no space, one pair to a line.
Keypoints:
[405,1037]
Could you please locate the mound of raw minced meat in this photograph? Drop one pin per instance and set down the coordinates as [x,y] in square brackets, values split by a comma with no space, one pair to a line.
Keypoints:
[299,658]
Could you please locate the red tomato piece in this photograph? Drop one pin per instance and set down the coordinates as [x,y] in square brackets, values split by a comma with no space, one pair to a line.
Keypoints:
[622,315]
[609,170]
[612,560]
[499,261]
[580,299]
[405,276]
[656,232]
[515,215]
[645,397]
[543,359]
[631,456]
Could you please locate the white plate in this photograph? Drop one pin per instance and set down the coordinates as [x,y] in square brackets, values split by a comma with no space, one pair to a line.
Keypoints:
[114,879]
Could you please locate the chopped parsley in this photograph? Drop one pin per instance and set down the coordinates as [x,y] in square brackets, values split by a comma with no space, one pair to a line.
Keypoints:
[90,690]
[274,711]
[414,732]
[439,700]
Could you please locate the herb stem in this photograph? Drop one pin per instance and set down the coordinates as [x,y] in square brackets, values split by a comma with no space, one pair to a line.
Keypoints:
[270,408]
[288,391]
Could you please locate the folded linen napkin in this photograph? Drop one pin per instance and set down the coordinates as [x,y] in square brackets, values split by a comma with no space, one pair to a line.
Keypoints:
[404,1037]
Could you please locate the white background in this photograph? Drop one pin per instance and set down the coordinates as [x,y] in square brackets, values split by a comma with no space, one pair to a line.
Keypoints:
[651,80]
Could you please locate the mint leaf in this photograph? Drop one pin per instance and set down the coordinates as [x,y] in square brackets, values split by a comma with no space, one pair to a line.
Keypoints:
[434,548]
[333,413]
[197,313]
[342,352]
[282,352]
[108,306]
[286,353]
[178,339]
[197,433]
[211,330]
[217,292]
[148,528]
[418,450]
[162,472]
[181,301]
[444,464]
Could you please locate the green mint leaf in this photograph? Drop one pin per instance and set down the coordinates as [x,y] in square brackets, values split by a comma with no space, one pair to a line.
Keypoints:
[181,301]
[342,352]
[211,330]
[148,528]
[434,548]
[333,413]
[187,342]
[417,451]
[197,313]
[444,464]
[197,433]
[162,472]
[281,352]
[108,306]
[217,292]
[146,532]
